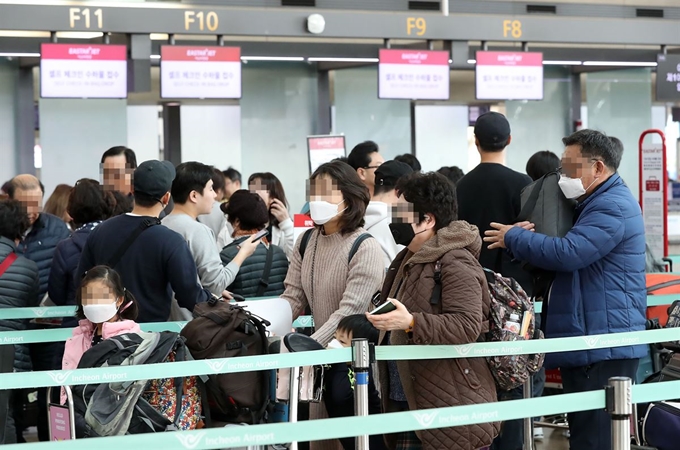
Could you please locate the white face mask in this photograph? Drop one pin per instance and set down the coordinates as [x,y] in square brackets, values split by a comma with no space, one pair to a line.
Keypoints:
[322,212]
[571,187]
[334,344]
[100,313]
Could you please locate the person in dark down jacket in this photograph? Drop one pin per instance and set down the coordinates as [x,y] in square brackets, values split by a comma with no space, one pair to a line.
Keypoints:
[424,222]
[18,289]
[248,214]
[45,232]
[88,205]
[599,285]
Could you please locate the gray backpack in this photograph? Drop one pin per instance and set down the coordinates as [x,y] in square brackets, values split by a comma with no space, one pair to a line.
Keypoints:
[544,205]
[118,408]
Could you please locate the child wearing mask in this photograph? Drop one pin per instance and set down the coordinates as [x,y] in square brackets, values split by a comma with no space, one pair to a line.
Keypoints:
[105,309]
[339,380]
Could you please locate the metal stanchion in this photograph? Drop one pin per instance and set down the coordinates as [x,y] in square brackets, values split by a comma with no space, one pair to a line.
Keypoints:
[620,407]
[528,388]
[293,399]
[361,362]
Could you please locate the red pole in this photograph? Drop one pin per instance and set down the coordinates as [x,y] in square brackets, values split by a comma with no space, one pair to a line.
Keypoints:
[664,186]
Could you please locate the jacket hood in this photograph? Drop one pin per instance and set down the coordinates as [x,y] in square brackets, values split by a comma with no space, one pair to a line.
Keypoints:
[375,212]
[110,329]
[8,242]
[458,235]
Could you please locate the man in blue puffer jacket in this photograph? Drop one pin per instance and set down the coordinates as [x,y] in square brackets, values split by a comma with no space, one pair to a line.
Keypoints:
[599,285]
[38,245]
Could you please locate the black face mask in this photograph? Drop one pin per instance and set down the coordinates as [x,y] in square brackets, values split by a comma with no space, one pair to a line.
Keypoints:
[402,233]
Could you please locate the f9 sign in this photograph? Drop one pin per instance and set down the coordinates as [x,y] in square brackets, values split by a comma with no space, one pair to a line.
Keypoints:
[200,72]
[83,71]
[509,76]
[413,75]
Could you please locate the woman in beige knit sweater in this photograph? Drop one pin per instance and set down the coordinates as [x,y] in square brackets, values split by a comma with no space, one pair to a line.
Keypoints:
[325,279]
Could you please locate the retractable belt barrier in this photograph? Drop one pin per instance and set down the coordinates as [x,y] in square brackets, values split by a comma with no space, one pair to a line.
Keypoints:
[278,361]
[51,312]
[267,434]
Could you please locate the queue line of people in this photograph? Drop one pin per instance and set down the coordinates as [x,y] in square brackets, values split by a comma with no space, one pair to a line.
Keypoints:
[158,227]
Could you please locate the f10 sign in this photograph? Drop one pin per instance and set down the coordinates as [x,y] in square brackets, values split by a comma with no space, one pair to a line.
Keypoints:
[413,75]
[509,76]
[83,71]
[200,72]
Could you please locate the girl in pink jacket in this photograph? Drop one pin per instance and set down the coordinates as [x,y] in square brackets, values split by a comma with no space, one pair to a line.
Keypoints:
[105,309]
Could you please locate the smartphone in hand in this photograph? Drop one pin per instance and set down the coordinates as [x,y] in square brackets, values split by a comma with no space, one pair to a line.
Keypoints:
[260,234]
[385,308]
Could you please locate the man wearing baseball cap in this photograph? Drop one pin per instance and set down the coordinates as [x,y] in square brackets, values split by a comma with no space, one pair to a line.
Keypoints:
[489,193]
[378,211]
[153,261]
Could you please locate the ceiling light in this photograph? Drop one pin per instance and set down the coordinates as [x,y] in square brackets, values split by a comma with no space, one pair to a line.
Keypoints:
[272,58]
[159,36]
[25,34]
[619,63]
[79,35]
[348,60]
[155,57]
[472,61]
[562,63]
[20,55]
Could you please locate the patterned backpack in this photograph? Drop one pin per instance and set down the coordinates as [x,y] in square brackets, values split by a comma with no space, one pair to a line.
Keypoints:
[508,298]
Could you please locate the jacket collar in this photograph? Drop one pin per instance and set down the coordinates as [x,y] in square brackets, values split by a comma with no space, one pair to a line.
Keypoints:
[9,243]
[614,180]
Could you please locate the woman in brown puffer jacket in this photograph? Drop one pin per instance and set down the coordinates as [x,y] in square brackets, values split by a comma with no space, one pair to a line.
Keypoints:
[425,223]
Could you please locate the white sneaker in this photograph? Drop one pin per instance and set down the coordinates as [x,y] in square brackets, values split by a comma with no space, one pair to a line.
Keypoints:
[538,434]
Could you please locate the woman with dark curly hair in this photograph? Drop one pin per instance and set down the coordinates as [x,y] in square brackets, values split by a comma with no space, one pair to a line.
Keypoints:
[430,312]
[88,205]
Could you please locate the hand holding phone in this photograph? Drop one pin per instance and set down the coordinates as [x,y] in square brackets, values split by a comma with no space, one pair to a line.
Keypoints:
[260,234]
[385,308]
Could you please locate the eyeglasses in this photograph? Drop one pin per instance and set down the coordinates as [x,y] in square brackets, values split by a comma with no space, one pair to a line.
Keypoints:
[371,167]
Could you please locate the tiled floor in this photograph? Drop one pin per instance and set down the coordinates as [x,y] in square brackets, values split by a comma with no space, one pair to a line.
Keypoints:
[554,440]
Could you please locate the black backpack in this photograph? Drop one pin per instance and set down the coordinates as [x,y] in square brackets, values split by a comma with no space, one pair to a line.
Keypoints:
[117,408]
[223,330]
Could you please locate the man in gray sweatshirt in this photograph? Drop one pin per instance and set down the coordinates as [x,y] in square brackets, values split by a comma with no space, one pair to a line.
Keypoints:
[193,194]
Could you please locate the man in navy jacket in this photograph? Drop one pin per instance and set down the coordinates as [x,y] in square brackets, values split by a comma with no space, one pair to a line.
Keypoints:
[599,285]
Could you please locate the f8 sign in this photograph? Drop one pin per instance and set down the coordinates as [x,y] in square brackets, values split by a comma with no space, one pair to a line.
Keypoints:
[509,76]
[413,75]
[83,71]
[200,72]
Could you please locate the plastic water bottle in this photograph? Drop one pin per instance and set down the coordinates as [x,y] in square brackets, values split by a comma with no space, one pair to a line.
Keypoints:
[512,324]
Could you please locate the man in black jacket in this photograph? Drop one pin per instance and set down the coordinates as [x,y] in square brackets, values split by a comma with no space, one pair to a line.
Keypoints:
[38,245]
[18,289]
[158,261]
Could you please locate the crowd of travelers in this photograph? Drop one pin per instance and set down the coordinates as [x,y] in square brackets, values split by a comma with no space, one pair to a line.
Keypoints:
[149,242]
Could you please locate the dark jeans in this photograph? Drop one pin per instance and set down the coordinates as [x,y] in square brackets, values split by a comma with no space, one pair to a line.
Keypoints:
[591,430]
[512,432]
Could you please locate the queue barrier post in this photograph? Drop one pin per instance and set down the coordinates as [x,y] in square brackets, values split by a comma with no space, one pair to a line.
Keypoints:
[528,421]
[361,362]
[293,399]
[618,394]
